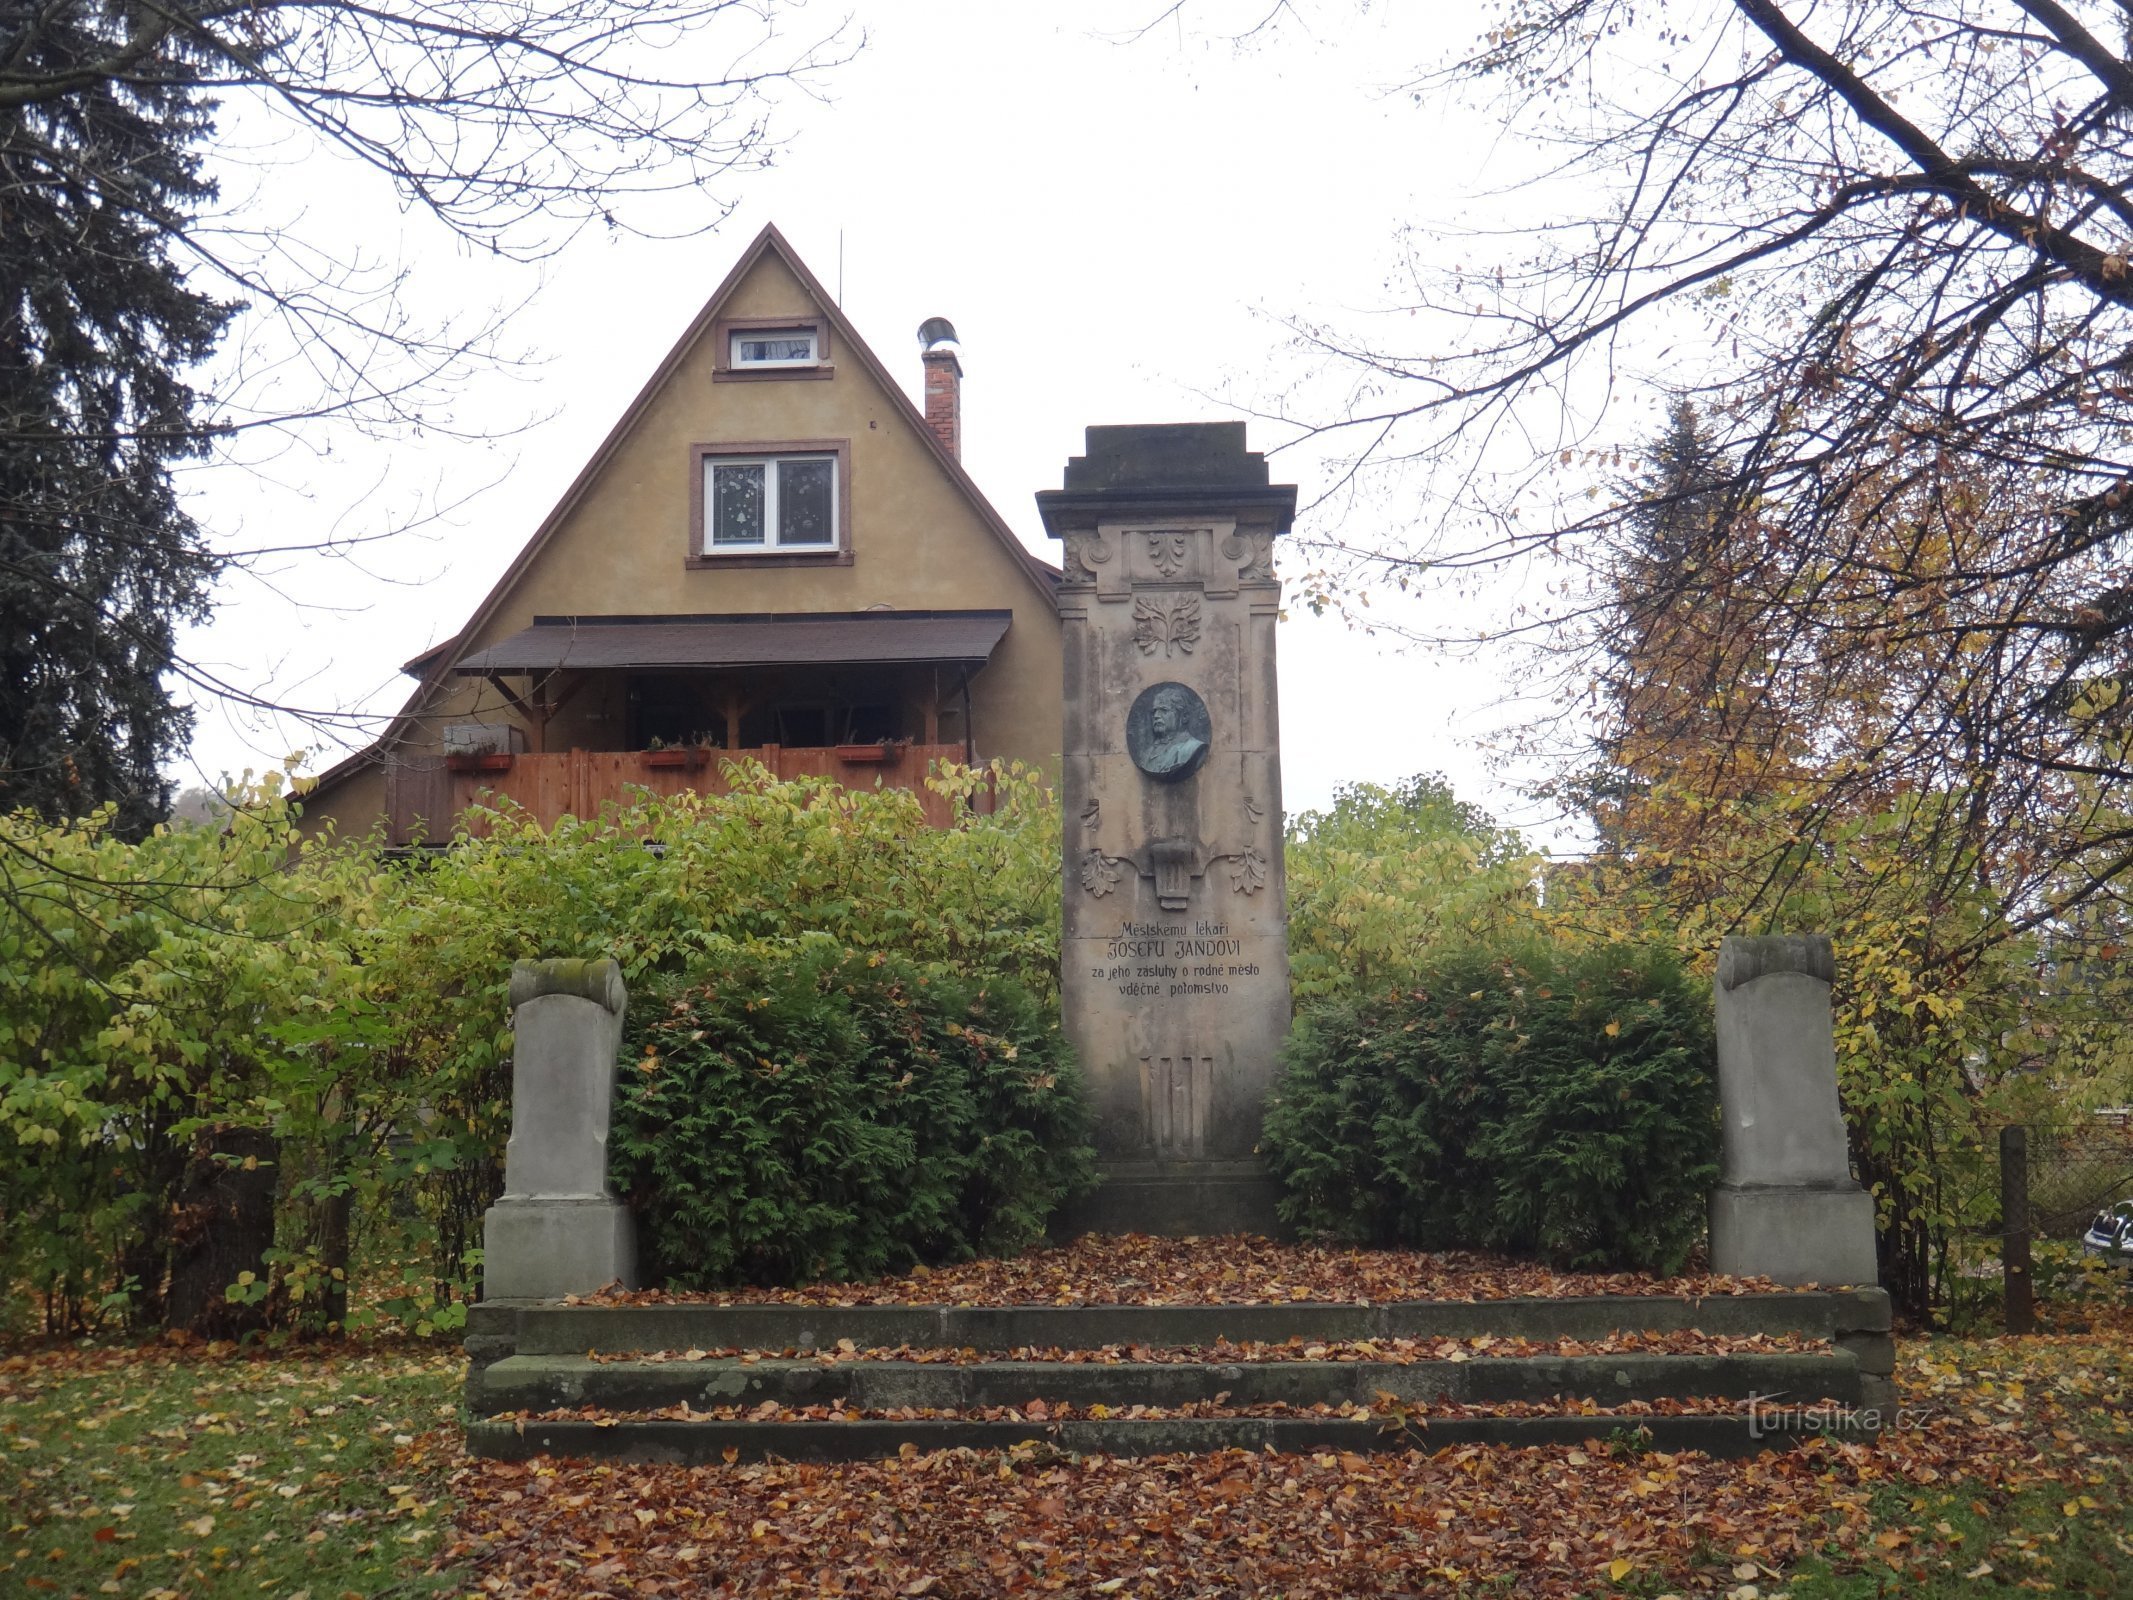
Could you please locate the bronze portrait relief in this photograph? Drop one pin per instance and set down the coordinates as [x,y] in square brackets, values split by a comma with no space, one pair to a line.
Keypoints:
[1167,732]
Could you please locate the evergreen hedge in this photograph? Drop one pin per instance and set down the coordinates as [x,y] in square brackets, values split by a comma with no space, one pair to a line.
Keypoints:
[1561,1104]
[806,1110]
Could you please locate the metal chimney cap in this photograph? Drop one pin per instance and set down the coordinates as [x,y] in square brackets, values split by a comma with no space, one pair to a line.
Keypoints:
[936,331]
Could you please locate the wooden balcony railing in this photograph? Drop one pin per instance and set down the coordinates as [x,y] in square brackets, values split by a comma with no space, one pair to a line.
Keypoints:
[431,792]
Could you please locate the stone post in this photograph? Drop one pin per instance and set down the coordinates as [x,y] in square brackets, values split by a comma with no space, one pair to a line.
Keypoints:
[1175,980]
[558,1230]
[1786,1206]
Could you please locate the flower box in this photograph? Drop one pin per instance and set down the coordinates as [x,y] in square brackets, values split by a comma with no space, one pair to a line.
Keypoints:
[687,757]
[478,761]
[860,754]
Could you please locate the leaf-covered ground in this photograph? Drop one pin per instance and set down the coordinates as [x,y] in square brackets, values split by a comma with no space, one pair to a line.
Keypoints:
[2008,1473]
[209,1473]
[167,1471]
[1131,1269]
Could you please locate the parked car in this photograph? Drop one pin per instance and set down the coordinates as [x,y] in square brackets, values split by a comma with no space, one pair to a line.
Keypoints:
[2111,1234]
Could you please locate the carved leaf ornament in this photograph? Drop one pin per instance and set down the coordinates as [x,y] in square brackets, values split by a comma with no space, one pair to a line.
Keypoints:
[1099,872]
[1171,623]
[1167,551]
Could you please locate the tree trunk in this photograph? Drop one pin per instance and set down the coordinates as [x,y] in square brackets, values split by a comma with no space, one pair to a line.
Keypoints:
[331,1235]
[140,1264]
[223,1227]
[150,1175]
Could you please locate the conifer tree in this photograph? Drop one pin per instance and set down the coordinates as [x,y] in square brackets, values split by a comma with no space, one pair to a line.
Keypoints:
[1689,675]
[99,564]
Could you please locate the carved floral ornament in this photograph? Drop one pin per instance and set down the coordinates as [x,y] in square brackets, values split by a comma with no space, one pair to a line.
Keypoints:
[1169,553]
[1171,622]
[1172,863]
[1086,551]
[1247,870]
[1167,550]
[1254,554]
[1102,873]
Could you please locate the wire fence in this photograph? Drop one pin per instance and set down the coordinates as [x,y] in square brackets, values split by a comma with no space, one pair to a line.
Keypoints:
[2016,1204]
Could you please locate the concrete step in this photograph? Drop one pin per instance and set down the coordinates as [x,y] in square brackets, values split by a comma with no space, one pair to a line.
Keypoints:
[553,1383]
[1726,1434]
[536,1357]
[498,1328]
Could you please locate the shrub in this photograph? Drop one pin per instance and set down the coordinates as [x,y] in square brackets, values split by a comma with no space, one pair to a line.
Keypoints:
[1384,878]
[807,1110]
[1561,1104]
[170,1005]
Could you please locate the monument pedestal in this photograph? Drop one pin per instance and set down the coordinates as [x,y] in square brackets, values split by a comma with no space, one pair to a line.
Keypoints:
[1174,951]
[540,1249]
[1795,1235]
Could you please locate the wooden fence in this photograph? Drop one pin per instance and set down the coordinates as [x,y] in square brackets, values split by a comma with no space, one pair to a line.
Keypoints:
[426,793]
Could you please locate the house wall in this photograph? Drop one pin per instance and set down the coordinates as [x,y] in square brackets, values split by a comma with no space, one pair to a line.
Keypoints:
[351,807]
[916,543]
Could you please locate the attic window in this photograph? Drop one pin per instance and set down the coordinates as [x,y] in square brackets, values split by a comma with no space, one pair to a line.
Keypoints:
[776,347]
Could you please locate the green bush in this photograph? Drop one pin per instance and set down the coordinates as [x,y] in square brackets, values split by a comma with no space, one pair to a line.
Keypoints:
[1561,1104]
[332,1022]
[807,1110]
[1384,878]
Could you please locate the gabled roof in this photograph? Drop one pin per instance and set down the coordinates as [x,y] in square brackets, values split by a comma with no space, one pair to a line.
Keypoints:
[435,664]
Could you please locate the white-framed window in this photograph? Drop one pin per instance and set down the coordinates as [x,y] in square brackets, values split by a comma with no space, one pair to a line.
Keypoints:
[776,347]
[782,502]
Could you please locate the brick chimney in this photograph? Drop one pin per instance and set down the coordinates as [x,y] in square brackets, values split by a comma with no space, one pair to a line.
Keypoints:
[944,384]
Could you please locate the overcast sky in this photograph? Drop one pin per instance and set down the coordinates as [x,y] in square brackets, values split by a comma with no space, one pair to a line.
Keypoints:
[1117,230]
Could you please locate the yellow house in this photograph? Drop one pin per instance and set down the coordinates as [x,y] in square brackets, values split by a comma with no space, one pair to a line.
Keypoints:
[773,553]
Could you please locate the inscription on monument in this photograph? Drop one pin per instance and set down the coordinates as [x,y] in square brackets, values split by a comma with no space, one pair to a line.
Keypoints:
[1168,732]
[1171,959]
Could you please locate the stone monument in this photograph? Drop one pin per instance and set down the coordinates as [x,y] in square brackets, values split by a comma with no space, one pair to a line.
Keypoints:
[1175,981]
[558,1229]
[1786,1206]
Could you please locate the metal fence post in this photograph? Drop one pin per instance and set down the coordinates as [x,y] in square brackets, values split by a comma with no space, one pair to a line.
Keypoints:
[2019,1290]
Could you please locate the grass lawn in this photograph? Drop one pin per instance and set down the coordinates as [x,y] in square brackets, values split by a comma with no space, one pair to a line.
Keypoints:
[207,1472]
[165,1472]
[1952,1542]
[2043,1505]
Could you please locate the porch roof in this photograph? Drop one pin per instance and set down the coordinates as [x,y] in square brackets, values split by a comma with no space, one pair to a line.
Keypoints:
[749,639]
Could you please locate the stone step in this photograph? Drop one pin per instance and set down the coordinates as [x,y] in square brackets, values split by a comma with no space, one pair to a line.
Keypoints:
[1846,1317]
[553,1382]
[534,1357]
[1726,1434]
